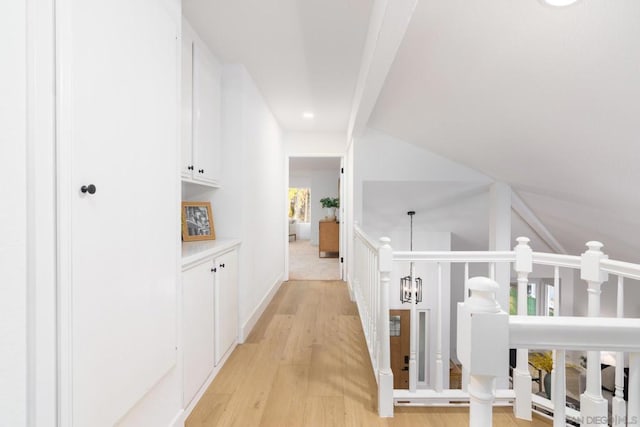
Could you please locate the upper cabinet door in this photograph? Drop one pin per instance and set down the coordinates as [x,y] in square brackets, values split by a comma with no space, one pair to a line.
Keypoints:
[206,115]
[186,122]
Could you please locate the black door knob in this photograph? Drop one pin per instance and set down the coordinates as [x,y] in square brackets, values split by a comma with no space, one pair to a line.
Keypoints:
[213,270]
[201,170]
[91,189]
[190,167]
[221,265]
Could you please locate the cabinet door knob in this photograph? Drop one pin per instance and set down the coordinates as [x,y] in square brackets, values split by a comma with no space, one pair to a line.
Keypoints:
[201,170]
[213,270]
[91,189]
[221,265]
[190,167]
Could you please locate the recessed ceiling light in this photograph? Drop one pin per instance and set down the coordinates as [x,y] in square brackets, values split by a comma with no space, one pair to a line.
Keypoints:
[559,3]
[308,115]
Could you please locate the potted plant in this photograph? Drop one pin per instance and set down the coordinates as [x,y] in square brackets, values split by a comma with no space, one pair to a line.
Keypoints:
[543,362]
[330,203]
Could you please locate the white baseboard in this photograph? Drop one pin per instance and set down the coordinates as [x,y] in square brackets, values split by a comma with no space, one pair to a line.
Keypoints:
[246,329]
[352,295]
[182,416]
[178,420]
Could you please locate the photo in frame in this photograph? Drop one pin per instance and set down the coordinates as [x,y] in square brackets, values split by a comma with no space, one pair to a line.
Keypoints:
[197,221]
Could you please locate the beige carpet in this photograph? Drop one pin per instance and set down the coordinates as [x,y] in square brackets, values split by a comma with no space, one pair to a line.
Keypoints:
[304,263]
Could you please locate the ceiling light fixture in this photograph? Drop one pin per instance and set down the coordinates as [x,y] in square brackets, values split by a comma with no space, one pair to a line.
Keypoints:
[408,292]
[308,115]
[559,3]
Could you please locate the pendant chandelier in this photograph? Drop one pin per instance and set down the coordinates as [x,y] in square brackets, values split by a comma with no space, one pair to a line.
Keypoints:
[406,288]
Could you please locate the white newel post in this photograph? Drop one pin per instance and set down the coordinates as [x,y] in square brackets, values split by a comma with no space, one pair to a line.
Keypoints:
[593,407]
[385,376]
[483,347]
[521,375]
[618,405]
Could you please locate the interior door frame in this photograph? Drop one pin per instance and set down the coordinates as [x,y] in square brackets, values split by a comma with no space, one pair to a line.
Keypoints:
[342,260]
[42,394]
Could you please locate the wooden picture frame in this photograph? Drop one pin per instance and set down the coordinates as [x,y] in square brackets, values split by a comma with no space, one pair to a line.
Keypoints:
[197,221]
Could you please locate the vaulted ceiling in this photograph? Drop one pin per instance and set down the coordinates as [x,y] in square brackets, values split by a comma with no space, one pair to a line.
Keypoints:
[546,99]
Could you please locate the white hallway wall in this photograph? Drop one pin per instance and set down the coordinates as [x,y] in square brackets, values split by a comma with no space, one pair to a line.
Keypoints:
[250,202]
[324,183]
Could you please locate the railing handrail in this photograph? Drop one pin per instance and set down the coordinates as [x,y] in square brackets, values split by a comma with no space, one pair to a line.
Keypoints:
[556,260]
[621,268]
[574,333]
[455,256]
[366,239]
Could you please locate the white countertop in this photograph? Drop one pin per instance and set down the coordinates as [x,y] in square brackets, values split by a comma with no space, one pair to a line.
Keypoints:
[195,251]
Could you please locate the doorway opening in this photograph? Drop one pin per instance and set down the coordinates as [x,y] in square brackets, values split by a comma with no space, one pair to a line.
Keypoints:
[314,235]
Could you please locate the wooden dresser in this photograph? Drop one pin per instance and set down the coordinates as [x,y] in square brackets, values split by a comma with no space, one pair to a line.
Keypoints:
[329,239]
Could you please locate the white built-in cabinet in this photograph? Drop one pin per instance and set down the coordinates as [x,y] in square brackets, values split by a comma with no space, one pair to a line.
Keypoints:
[201,105]
[197,327]
[209,313]
[117,128]
[226,303]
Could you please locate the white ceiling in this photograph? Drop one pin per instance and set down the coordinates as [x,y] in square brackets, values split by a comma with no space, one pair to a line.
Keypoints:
[303,55]
[546,99]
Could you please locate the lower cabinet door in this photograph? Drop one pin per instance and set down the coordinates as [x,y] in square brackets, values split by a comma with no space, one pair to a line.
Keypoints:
[226,303]
[197,327]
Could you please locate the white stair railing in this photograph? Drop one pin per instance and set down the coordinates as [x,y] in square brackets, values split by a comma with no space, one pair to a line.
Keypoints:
[374,262]
[370,287]
[486,333]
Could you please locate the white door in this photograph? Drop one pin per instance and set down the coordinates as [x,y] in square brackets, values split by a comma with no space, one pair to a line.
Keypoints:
[206,115]
[118,98]
[197,327]
[226,303]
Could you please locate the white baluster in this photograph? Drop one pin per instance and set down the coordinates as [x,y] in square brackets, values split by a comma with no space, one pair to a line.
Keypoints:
[465,370]
[521,375]
[618,405]
[633,414]
[371,291]
[558,375]
[439,362]
[592,404]
[385,375]
[483,337]
[559,392]
[466,279]
[375,307]
[492,270]
[413,330]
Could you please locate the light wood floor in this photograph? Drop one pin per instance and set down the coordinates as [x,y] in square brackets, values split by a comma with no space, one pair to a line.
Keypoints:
[306,364]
